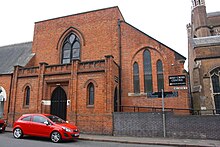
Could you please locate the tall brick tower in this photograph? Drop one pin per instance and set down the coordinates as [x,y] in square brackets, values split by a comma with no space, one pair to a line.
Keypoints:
[204,58]
[199,17]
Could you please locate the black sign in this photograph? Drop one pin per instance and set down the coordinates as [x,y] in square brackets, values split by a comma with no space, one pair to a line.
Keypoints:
[177,80]
[166,94]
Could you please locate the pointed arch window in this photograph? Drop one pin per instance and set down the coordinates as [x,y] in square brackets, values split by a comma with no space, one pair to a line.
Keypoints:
[136,81]
[91,94]
[71,49]
[148,87]
[215,83]
[160,78]
[215,78]
[27,96]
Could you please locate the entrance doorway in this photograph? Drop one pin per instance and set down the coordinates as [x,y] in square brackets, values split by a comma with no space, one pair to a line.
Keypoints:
[59,103]
[217,103]
[1,108]
[2,100]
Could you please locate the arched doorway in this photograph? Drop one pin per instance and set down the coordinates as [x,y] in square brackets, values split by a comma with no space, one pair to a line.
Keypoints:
[59,103]
[2,100]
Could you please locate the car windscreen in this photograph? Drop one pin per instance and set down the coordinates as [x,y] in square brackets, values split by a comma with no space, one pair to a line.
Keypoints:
[55,119]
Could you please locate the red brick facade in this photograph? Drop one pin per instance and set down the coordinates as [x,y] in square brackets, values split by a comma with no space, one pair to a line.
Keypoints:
[109,48]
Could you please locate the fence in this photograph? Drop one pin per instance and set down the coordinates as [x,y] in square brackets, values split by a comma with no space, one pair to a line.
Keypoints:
[173,110]
[177,126]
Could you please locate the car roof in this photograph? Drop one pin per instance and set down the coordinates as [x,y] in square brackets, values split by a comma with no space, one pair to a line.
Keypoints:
[30,114]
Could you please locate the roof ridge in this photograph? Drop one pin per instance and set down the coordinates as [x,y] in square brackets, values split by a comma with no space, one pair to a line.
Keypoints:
[27,42]
[154,39]
[102,9]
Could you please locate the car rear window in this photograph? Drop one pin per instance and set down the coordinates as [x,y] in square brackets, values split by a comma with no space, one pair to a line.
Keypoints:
[39,119]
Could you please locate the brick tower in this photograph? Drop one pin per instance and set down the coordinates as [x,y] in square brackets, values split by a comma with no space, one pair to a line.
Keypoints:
[204,57]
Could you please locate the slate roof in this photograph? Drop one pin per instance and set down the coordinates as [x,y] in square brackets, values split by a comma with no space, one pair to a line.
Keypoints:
[16,54]
[212,14]
[206,41]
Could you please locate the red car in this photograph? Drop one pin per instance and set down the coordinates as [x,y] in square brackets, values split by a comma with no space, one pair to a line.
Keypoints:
[2,125]
[44,125]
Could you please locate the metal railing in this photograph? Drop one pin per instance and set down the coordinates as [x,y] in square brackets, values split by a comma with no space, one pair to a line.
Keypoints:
[173,110]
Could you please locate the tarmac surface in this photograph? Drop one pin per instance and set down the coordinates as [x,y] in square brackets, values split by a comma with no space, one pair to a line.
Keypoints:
[148,140]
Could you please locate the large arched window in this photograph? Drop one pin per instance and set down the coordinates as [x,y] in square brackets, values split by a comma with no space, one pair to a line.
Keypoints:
[91,94]
[136,82]
[70,49]
[148,87]
[27,96]
[160,79]
[215,78]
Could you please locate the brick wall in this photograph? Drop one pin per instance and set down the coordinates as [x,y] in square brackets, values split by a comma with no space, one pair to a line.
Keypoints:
[74,79]
[177,126]
[193,126]
[96,30]
[138,124]
[134,43]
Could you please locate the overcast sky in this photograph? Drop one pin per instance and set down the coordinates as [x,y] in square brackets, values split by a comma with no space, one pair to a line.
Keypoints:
[164,20]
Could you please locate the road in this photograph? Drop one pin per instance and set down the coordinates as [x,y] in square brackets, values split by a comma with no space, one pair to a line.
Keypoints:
[7,140]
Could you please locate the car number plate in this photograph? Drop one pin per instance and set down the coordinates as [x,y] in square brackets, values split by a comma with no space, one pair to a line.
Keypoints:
[76,134]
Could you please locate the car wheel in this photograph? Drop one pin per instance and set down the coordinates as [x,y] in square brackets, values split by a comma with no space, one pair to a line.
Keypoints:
[17,133]
[55,137]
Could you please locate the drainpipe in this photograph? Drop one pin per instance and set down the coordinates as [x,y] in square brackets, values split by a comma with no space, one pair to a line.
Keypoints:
[9,96]
[120,60]
[15,80]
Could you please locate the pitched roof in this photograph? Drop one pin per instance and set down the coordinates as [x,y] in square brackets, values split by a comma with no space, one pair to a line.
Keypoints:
[16,54]
[178,56]
[213,14]
[93,11]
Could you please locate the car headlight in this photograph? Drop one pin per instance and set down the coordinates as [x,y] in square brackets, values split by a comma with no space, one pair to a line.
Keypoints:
[66,129]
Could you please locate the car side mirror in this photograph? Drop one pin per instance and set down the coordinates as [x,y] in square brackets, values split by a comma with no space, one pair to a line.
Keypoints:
[46,123]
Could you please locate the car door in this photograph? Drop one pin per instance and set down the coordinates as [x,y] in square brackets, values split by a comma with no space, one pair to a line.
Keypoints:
[38,126]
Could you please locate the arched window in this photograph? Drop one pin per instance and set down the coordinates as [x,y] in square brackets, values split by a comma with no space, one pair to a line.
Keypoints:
[91,94]
[136,82]
[148,87]
[27,96]
[215,83]
[160,79]
[215,78]
[70,49]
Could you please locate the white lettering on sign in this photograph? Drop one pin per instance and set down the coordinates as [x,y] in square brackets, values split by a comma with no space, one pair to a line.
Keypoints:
[46,102]
[177,80]
[180,88]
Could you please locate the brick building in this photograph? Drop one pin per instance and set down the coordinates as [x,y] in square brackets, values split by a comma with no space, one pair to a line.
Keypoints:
[204,58]
[84,67]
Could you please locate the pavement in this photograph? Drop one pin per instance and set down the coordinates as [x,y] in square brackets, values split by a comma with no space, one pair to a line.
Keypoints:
[148,140]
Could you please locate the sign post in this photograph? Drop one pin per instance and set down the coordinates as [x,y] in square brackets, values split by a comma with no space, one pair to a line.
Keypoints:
[163,113]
